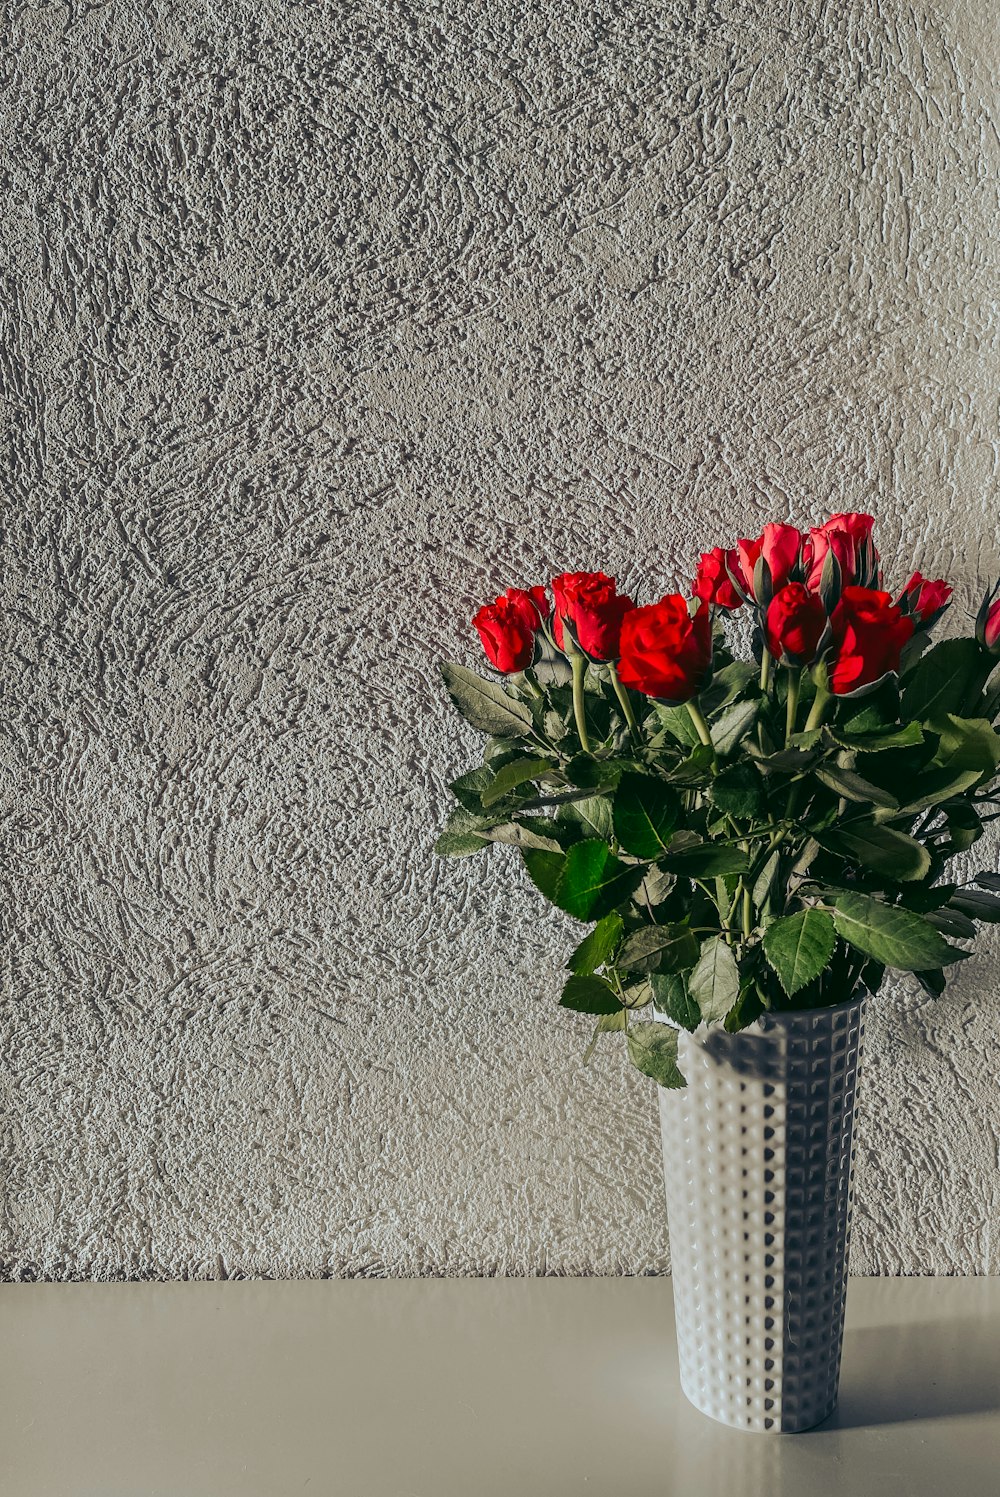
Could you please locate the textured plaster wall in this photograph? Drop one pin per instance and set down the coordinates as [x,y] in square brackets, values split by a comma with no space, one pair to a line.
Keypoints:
[319,325]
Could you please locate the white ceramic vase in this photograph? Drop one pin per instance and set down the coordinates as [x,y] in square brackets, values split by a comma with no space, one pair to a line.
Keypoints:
[758,1162]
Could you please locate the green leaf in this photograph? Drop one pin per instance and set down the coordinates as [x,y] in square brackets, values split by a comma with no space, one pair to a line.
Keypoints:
[977,905]
[705,859]
[545,869]
[645,813]
[678,722]
[952,922]
[966,743]
[589,995]
[987,880]
[533,831]
[908,736]
[598,946]
[940,785]
[732,724]
[799,946]
[469,788]
[589,773]
[948,678]
[854,787]
[513,774]
[671,997]
[652,1050]
[485,705]
[715,982]
[766,877]
[593,881]
[745,1011]
[894,854]
[658,948]
[739,791]
[891,935]
[459,844]
[592,815]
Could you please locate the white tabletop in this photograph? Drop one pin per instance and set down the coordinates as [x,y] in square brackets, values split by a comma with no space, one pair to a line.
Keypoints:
[468,1388]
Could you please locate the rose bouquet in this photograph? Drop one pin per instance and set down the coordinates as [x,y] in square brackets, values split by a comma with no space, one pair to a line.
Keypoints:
[740,836]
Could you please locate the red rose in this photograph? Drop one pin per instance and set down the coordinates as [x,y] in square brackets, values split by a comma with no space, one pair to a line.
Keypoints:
[924,599]
[712,584]
[849,537]
[594,609]
[780,546]
[794,624]
[991,627]
[665,652]
[507,627]
[869,632]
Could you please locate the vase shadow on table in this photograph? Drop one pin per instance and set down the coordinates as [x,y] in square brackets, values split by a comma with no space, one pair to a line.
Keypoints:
[930,1370]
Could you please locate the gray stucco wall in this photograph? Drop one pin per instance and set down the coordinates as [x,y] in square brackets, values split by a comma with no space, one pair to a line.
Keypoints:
[320,325]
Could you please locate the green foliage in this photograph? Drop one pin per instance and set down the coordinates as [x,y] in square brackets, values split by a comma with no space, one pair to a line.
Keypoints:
[590,995]
[799,946]
[646,809]
[652,1050]
[786,864]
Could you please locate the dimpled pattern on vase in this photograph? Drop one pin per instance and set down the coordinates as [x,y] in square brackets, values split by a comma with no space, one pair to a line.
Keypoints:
[758,1162]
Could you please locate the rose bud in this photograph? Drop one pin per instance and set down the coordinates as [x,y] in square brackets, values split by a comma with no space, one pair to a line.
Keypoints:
[592,607]
[926,601]
[988,621]
[794,624]
[508,626]
[665,651]
[712,583]
[848,536]
[768,562]
[869,632]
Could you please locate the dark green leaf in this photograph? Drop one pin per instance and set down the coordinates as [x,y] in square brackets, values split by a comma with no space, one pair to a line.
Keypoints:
[799,946]
[854,787]
[593,774]
[977,905]
[671,996]
[598,947]
[469,788]
[678,722]
[895,855]
[645,813]
[705,859]
[739,791]
[948,678]
[745,1011]
[590,995]
[935,786]
[545,870]
[908,736]
[891,935]
[593,881]
[484,704]
[987,880]
[513,774]
[715,982]
[658,948]
[952,922]
[731,725]
[652,1050]
[591,815]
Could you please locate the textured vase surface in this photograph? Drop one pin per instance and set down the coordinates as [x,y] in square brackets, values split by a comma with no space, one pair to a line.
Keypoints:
[758,1163]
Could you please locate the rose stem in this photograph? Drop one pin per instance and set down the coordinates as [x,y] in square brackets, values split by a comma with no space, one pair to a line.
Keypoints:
[626,705]
[579,663]
[792,704]
[698,718]
[765,669]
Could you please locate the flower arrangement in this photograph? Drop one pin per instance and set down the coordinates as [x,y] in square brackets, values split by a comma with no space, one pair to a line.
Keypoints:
[740,837]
